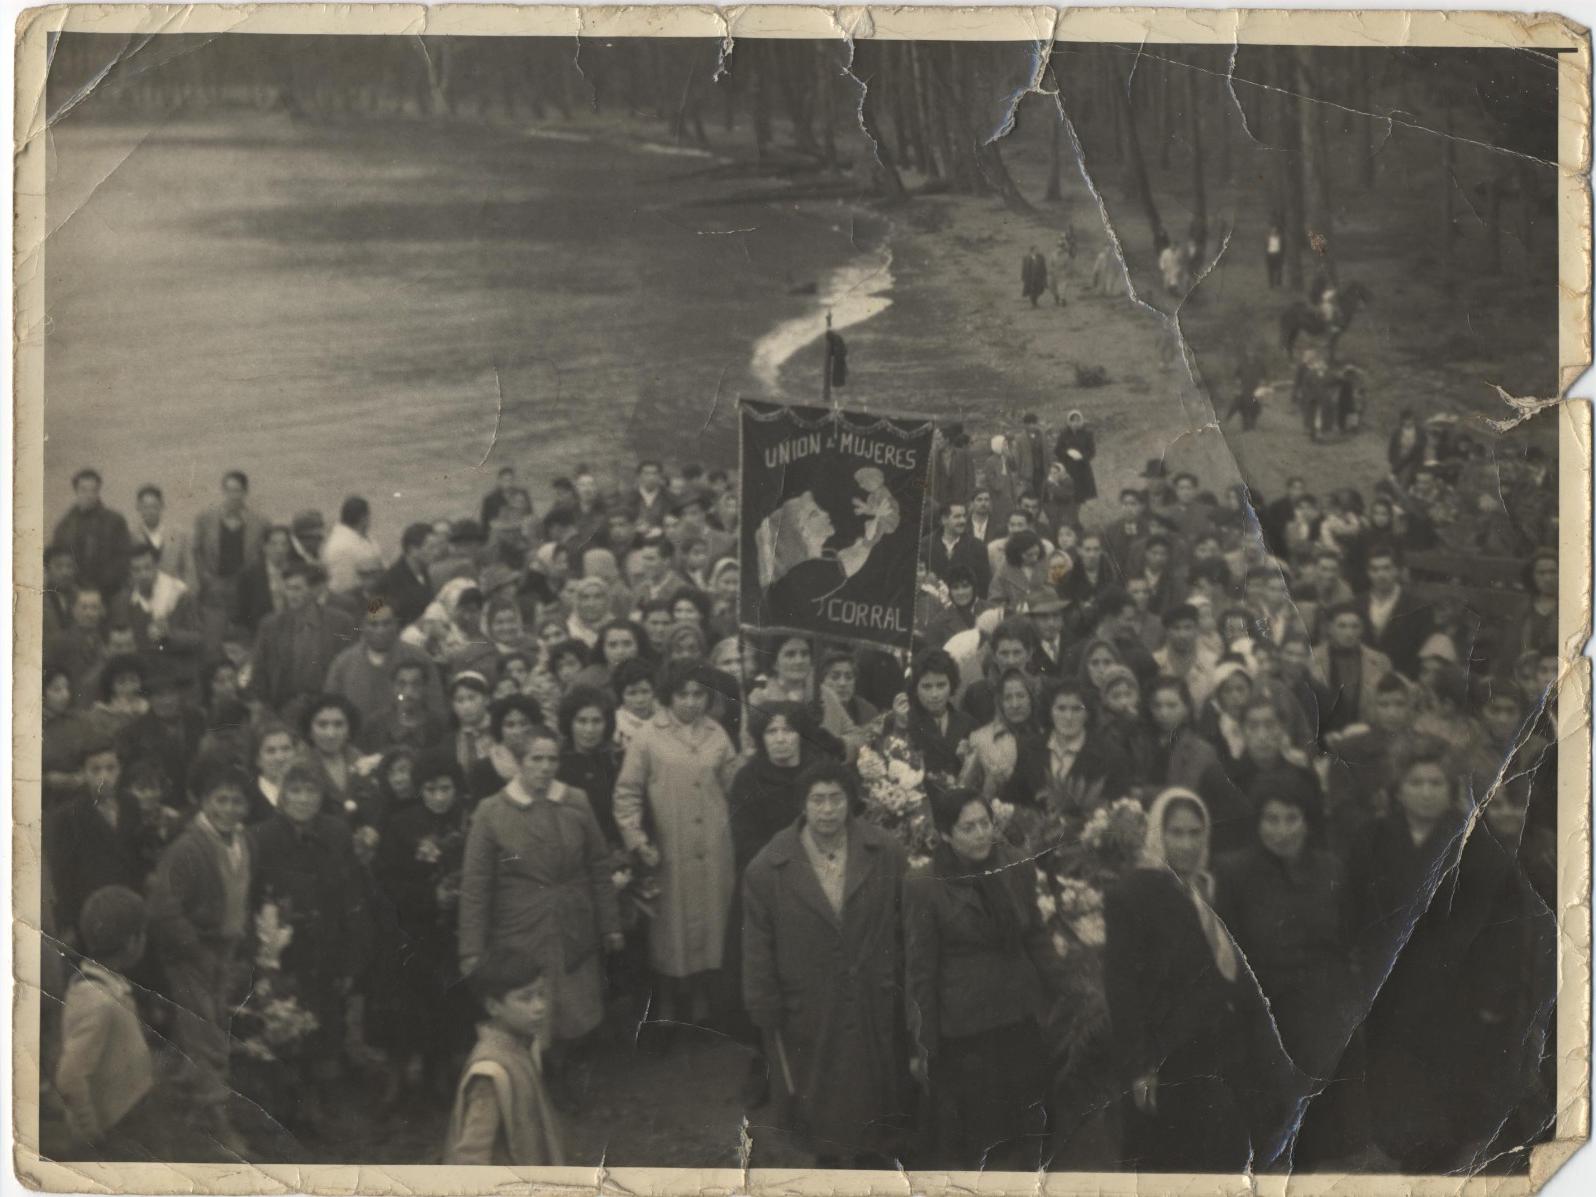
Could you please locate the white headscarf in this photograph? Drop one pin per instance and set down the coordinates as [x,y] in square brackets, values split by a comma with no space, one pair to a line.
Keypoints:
[1200,885]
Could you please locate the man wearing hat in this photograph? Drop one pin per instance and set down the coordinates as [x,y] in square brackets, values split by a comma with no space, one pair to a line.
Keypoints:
[463,556]
[1047,611]
[309,530]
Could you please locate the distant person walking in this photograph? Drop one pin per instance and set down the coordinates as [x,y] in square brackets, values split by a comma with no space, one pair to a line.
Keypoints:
[1058,268]
[1033,276]
[1275,255]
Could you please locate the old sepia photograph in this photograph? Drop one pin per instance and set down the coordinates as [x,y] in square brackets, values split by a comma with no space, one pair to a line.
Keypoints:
[809,600]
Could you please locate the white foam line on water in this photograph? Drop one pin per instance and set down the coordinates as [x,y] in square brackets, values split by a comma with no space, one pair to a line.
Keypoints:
[853,293]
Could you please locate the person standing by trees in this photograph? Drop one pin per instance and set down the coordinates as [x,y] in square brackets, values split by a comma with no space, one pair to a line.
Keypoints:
[1033,275]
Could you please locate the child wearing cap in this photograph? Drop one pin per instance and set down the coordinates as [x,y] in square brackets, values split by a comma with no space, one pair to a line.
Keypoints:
[501,1112]
[105,1071]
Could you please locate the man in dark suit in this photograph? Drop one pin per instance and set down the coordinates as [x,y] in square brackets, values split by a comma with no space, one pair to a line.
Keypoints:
[953,545]
[406,585]
[1395,621]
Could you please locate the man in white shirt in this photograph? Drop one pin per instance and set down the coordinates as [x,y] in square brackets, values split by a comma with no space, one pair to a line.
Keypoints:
[1184,656]
[349,550]
[174,552]
[161,606]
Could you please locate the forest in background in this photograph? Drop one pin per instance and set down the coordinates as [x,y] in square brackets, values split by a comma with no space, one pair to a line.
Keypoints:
[892,121]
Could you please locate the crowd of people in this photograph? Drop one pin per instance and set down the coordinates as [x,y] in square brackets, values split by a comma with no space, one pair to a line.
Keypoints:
[530,773]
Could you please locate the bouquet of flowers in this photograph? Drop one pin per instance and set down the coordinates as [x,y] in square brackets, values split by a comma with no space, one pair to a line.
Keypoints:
[894,793]
[635,876]
[271,1022]
[1072,876]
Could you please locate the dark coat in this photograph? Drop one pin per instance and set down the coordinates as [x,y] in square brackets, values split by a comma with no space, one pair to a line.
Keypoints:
[939,750]
[1404,634]
[1292,922]
[1466,943]
[99,542]
[967,551]
[830,986]
[171,745]
[1173,1013]
[962,978]
[312,875]
[407,594]
[1080,472]
[86,853]
[1097,761]
[763,801]
[418,869]
[595,774]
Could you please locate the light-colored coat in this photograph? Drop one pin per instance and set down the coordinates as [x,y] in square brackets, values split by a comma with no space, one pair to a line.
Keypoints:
[682,773]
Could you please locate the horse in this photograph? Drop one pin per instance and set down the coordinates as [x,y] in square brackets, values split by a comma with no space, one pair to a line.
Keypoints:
[1301,317]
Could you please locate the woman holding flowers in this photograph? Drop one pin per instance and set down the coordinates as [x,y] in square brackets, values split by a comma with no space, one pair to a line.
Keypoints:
[973,945]
[1172,980]
[419,869]
[305,868]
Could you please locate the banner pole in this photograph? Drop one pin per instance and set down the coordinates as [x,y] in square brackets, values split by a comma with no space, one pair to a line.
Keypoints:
[825,377]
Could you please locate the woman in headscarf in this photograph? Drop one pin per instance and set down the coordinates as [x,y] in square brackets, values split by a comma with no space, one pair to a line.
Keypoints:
[975,994]
[677,770]
[1171,982]
[537,879]
[1074,450]
[1098,660]
[995,746]
[1220,721]
[724,580]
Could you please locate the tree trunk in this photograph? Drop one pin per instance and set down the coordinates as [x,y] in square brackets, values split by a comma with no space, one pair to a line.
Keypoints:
[1055,181]
[1290,170]
[1199,190]
[826,84]
[1136,170]
[866,67]
[1448,162]
[934,134]
[1314,187]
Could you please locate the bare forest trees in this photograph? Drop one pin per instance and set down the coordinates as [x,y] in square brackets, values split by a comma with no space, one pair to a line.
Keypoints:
[1191,135]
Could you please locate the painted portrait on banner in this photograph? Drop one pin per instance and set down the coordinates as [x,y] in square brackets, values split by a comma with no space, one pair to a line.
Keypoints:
[832,505]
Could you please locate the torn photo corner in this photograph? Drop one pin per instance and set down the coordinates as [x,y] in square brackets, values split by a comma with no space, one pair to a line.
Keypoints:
[800,600]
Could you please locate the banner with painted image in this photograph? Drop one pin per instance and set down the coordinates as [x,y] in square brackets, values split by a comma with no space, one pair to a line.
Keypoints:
[831,511]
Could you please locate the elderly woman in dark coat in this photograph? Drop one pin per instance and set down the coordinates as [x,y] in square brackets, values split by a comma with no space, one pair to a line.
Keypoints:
[975,992]
[537,879]
[1173,984]
[822,969]
[1286,903]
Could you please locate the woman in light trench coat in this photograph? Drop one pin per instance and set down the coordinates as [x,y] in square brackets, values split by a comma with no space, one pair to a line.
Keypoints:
[679,766]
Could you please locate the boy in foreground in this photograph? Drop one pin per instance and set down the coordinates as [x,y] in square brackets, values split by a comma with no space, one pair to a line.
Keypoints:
[502,1114]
